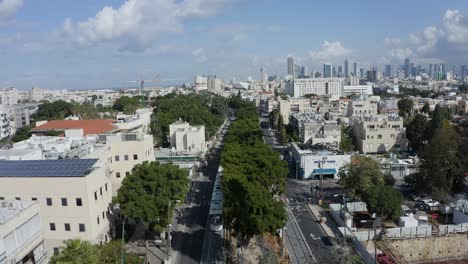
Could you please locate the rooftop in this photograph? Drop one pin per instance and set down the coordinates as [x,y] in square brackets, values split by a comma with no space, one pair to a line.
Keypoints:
[46,168]
[90,126]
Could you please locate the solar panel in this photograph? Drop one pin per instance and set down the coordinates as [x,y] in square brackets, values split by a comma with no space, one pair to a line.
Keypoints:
[46,168]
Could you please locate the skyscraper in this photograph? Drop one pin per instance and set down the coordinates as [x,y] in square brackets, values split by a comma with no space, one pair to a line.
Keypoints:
[340,71]
[388,70]
[262,76]
[333,71]
[355,69]
[346,69]
[327,70]
[430,70]
[291,66]
[407,68]
[304,72]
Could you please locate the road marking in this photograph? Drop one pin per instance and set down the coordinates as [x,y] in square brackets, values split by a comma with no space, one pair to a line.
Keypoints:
[314,237]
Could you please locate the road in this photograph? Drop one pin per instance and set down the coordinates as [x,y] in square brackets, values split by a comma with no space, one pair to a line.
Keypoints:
[188,233]
[302,229]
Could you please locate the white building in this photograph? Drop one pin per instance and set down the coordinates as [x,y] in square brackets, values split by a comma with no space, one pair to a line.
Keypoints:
[201,82]
[74,196]
[5,123]
[357,90]
[8,96]
[317,86]
[187,139]
[292,105]
[316,160]
[37,94]
[214,84]
[21,239]
[313,129]
[363,106]
[380,134]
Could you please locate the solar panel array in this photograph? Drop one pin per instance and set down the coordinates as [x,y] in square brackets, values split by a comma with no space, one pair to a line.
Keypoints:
[46,168]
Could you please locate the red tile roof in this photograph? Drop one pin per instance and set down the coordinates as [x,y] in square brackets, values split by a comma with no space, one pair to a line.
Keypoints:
[90,127]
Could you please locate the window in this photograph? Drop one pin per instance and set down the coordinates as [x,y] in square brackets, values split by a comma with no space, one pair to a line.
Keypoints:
[117,158]
[64,202]
[79,202]
[117,174]
[52,226]
[98,220]
[56,251]
[103,215]
[100,191]
[105,186]
[392,135]
[125,157]
[34,199]
[135,156]
[17,198]
[379,136]
[49,201]
[2,198]
[67,227]
[127,173]
[82,227]
[95,195]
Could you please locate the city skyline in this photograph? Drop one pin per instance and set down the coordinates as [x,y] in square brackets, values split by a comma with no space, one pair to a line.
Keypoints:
[67,45]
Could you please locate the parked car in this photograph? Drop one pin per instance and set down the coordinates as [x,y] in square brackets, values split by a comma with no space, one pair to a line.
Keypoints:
[421,206]
[414,197]
[430,202]
[406,211]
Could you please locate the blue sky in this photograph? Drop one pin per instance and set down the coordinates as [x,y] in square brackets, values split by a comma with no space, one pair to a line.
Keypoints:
[65,44]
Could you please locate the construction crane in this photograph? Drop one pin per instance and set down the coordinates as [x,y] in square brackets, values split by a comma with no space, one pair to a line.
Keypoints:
[142,84]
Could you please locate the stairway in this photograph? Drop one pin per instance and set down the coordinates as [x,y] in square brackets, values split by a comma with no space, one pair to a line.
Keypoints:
[390,251]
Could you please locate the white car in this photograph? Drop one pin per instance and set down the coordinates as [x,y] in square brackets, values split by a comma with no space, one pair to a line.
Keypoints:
[430,202]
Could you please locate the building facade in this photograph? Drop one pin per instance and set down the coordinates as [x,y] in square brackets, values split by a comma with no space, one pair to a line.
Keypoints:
[292,105]
[317,86]
[187,139]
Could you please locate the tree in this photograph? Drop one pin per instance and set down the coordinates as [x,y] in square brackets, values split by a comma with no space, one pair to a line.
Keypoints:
[346,143]
[126,104]
[94,98]
[53,111]
[22,134]
[384,201]
[150,191]
[405,107]
[361,175]
[425,109]
[111,253]
[441,168]
[76,251]
[415,132]
[389,180]
[282,130]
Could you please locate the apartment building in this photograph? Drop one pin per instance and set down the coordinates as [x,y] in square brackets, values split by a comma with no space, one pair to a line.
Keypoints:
[5,122]
[8,96]
[74,196]
[312,128]
[388,106]
[292,105]
[317,86]
[380,134]
[363,106]
[21,239]
[314,161]
[187,139]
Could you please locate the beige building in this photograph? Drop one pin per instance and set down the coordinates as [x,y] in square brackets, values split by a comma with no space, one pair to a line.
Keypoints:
[293,105]
[21,239]
[74,196]
[187,139]
[363,106]
[378,134]
[317,86]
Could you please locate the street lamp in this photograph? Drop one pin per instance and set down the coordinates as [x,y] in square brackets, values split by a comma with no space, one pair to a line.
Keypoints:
[169,224]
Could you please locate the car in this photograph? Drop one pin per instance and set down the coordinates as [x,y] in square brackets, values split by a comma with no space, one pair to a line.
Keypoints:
[422,207]
[430,202]
[415,197]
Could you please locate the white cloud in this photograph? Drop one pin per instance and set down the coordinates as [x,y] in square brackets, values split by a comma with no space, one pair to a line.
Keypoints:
[8,8]
[239,37]
[456,27]
[200,55]
[400,53]
[329,51]
[391,42]
[136,23]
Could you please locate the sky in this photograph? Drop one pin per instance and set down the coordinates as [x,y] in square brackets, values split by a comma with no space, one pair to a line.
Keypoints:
[89,44]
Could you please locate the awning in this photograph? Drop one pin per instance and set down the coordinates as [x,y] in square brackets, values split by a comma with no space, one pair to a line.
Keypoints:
[323,171]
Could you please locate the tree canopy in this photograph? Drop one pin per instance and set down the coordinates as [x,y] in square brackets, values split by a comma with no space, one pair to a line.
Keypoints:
[361,175]
[146,193]
[53,111]
[253,177]
[126,104]
[405,107]
[416,132]
[205,109]
[385,201]
[346,143]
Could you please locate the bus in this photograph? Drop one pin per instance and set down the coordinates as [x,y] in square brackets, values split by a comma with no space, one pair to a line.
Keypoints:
[216,205]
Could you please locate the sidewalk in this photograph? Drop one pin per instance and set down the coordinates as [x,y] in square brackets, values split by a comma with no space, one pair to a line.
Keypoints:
[315,210]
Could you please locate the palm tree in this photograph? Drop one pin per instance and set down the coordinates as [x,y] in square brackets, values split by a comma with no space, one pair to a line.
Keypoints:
[76,251]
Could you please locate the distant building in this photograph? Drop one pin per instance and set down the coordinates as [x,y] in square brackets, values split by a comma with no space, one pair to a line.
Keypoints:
[327,71]
[37,94]
[214,84]
[317,86]
[388,70]
[364,106]
[201,82]
[312,162]
[355,69]
[8,96]
[290,66]
[21,238]
[313,129]
[187,139]
[372,75]
[5,124]
[357,90]
[346,69]
[379,134]
[407,68]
